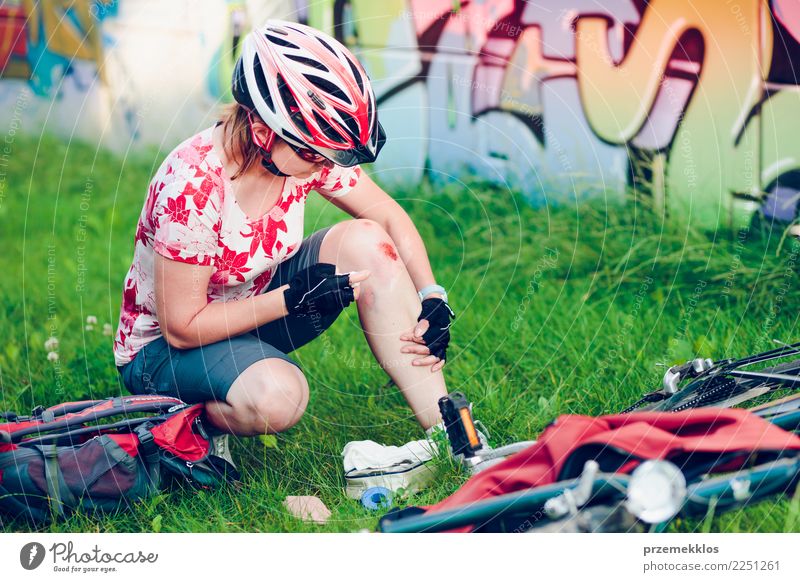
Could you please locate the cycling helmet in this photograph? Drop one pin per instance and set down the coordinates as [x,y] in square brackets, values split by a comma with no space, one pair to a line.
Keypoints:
[310,90]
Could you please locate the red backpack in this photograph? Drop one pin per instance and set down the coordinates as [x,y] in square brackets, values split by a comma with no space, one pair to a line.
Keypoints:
[102,455]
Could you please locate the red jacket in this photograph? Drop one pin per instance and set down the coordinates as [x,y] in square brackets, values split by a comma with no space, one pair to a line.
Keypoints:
[619,442]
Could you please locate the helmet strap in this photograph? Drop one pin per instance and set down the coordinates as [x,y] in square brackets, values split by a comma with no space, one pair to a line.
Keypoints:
[266,161]
[265,149]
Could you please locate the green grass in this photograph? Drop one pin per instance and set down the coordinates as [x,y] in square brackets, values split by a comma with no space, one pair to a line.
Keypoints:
[560,310]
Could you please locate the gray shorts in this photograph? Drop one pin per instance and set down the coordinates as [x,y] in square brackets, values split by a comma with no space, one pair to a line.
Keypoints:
[207,372]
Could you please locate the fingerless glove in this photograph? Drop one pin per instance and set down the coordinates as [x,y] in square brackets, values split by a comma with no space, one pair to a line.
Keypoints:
[437,336]
[318,289]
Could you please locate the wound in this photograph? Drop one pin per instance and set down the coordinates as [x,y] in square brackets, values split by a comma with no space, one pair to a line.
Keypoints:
[388,250]
[367,297]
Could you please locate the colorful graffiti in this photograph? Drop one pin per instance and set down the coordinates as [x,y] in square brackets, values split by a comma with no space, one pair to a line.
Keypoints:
[695,100]
[123,74]
[41,40]
[13,49]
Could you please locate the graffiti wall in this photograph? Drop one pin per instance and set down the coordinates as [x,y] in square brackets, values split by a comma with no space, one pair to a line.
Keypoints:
[694,101]
[126,74]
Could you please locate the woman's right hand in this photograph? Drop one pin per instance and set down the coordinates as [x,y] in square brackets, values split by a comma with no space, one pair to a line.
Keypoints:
[318,289]
[355,282]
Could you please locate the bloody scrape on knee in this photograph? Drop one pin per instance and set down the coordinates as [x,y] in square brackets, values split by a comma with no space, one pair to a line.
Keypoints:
[388,250]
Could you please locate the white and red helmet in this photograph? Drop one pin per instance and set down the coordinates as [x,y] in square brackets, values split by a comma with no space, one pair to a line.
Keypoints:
[310,90]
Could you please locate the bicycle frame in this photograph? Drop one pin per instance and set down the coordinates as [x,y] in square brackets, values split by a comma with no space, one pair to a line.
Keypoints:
[722,383]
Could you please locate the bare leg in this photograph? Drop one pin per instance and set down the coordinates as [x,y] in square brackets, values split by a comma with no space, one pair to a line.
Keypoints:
[268,397]
[387,307]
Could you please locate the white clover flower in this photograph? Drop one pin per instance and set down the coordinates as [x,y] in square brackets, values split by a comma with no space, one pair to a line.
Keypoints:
[51,344]
[52,356]
[89,328]
[108,329]
[91,320]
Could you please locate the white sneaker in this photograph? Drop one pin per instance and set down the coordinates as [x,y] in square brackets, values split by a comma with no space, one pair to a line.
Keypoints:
[220,448]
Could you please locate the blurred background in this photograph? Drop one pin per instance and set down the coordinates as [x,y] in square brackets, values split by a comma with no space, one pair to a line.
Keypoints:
[701,112]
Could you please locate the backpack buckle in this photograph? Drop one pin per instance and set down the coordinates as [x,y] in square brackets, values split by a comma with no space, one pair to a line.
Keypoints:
[150,453]
[147,442]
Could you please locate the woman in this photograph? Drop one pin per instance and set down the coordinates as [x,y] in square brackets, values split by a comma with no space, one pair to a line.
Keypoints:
[223,285]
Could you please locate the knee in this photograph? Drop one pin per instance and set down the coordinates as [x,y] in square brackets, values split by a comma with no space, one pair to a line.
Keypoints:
[371,245]
[275,396]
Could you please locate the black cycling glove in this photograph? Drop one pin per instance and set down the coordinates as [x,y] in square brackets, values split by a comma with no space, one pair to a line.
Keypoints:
[318,289]
[437,336]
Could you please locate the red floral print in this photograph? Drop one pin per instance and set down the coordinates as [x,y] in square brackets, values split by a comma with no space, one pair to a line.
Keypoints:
[188,218]
[176,207]
[264,234]
[230,264]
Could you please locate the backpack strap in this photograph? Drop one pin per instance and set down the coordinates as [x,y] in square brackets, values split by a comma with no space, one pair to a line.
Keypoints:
[149,452]
[67,407]
[81,415]
[52,475]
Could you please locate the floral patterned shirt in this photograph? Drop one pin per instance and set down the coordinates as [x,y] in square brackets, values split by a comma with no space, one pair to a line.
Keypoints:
[191,215]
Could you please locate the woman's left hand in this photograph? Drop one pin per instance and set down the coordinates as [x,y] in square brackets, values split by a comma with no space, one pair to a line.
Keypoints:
[431,336]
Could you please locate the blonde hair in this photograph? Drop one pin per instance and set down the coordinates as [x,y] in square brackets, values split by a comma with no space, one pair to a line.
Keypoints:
[236,138]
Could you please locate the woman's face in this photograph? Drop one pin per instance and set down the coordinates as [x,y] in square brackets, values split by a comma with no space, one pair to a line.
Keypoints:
[285,158]
[289,162]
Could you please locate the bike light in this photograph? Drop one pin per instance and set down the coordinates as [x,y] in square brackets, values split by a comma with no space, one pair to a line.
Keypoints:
[656,491]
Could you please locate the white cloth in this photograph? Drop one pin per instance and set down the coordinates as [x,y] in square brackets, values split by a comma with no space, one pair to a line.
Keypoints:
[363,455]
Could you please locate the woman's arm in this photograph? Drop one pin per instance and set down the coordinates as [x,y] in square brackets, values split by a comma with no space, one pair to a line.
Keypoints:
[188,320]
[368,200]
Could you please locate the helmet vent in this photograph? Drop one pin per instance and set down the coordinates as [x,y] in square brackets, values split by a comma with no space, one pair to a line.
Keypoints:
[356,74]
[326,45]
[301,123]
[328,87]
[292,136]
[261,83]
[327,129]
[239,87]
[310,62]
[351,122]
[281,42]
[290,103]
[278,30]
